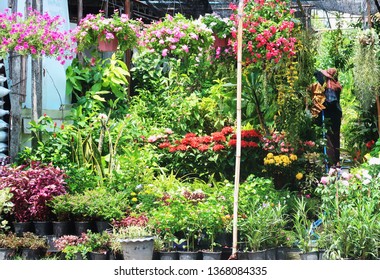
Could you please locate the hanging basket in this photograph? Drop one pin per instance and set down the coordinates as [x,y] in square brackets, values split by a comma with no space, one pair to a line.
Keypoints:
[220,42]
[107,45]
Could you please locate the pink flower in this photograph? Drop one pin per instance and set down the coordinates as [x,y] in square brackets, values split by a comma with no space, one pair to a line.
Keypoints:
[164,52]
[324,180]
[185,48]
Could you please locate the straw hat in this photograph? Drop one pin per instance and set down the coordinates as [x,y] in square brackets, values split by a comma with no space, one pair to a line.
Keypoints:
[330,73]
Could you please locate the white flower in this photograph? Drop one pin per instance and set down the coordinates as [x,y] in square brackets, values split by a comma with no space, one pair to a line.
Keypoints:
[103,117]
[374,161]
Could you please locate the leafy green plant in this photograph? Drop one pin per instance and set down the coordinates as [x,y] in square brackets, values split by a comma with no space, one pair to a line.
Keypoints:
[302,225]
[6,207]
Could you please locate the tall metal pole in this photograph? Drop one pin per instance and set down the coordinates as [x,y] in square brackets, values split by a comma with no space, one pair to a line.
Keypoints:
[238,130]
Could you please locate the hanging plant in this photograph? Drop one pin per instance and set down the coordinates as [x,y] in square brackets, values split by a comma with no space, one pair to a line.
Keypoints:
[267,31]
[97,27]
[366,68]
[37,35]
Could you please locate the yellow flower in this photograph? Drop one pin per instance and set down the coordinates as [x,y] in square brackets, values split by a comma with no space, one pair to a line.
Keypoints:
[293,157]
[134,199]
[299,176]
[269,155]
[133,194]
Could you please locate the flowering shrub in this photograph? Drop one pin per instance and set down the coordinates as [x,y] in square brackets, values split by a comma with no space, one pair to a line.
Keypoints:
[267,30]
[94,27]
[32,187]
[177,37]
[37,35]
[208,154]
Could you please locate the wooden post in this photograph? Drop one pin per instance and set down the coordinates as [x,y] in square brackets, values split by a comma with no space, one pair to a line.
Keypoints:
[17,83]
[36,81]
[238,130]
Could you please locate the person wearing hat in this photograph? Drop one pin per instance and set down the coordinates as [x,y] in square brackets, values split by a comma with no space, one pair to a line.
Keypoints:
[331,115]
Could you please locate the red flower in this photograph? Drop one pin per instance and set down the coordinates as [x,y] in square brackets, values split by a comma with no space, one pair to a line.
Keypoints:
[218,147]
[190,134]
[181,147]
[218,136]
[252,144]
[164,145]
[203,148]
[370,144]
[227,130]
[205,139]
[232,142]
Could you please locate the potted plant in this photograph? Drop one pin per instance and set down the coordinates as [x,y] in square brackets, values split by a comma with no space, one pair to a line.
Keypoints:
[118,29]
[36,35]
[32,246]
[60,207]
[221,28]
[303,229]
[6,207]
[135,237]
[33,185]
[212,215]
[9,243]
[99,244]
[105,206]
[73,247]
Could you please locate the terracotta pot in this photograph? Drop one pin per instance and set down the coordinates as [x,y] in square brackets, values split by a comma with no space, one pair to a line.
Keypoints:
[107,45]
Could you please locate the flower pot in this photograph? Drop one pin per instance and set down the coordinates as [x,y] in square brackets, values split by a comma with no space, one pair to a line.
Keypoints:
[220,42]
[257,255]
[99,256]
[322,255]
[108,45]
[43,228]
[50,239]
[21,227]
[82,227]
[212,255]
[242,255]
[6,253]
[313,256]
[31,254]
[102,226]
[282,252]
[61,228]
[293,254]
[185,255]
[169,255]
[138,248]
[271,254]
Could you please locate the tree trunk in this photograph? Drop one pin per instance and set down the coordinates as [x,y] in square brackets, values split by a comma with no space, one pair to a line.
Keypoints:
[36,82]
